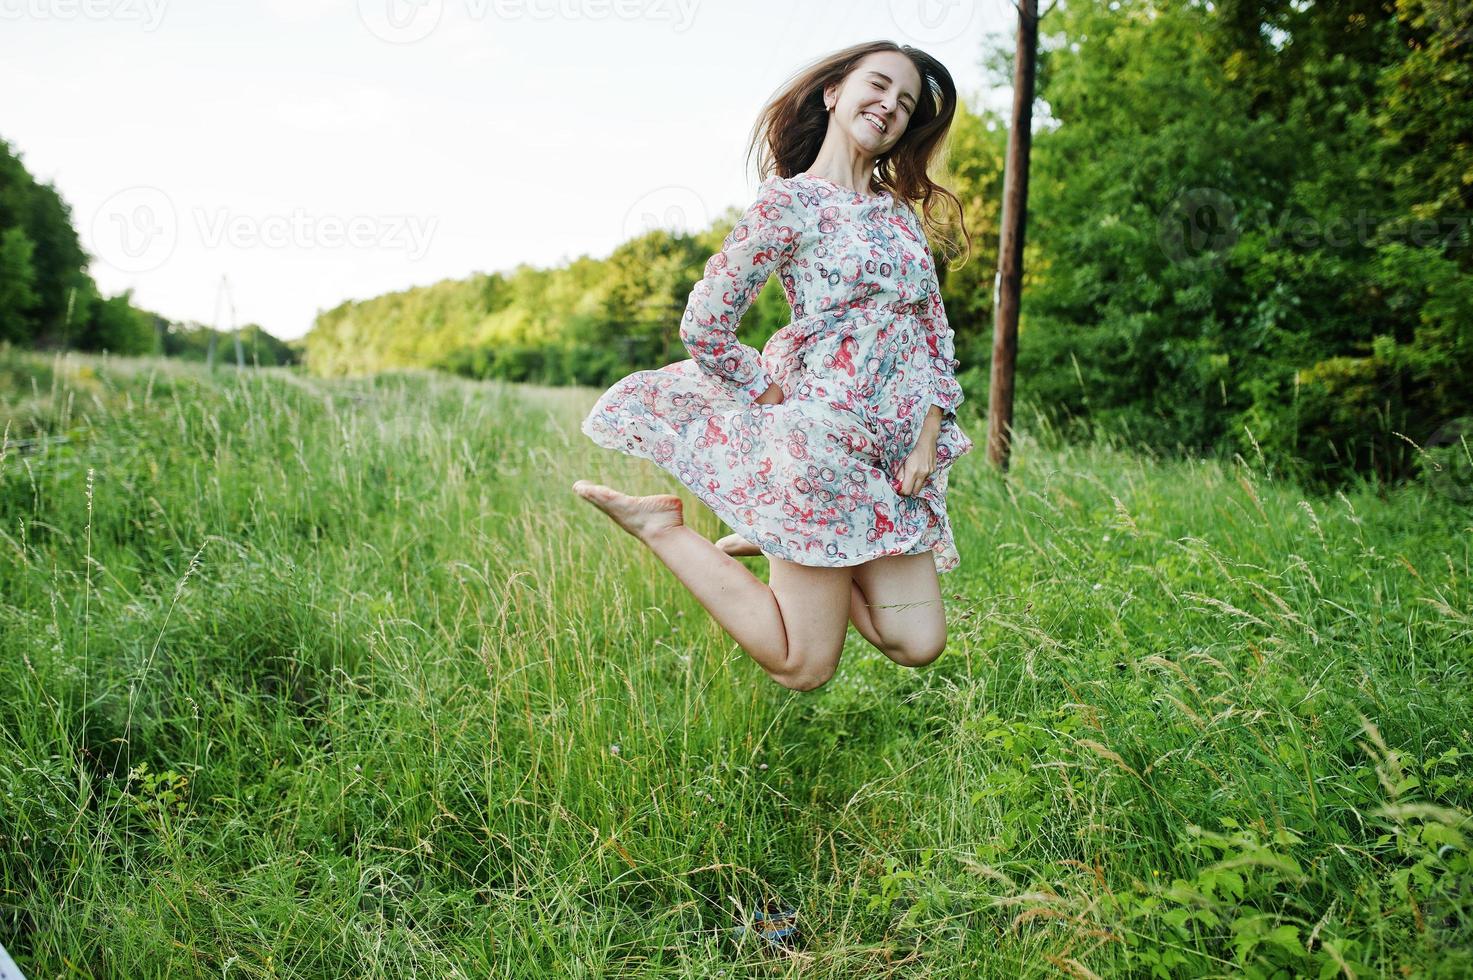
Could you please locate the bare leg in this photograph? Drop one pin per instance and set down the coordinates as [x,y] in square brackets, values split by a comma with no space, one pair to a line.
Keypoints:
[739,547]
[859,615]
[905,607]
[794,629]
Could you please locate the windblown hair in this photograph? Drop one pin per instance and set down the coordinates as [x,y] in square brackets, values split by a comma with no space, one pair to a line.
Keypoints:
[791,129]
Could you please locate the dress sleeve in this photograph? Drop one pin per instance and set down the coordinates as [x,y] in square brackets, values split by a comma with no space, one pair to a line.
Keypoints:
[761,241]
[940,353]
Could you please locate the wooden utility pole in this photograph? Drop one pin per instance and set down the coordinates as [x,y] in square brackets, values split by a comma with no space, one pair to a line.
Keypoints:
[1009,286]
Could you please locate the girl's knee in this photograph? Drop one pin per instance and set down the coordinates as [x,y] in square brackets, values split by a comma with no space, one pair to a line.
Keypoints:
[917,652]
[805,680]
[808,673]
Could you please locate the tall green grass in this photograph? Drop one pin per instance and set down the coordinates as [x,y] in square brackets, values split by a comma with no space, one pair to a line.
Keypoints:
[311,679]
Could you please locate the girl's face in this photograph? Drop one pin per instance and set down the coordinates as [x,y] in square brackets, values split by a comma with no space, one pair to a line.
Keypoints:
[875,100]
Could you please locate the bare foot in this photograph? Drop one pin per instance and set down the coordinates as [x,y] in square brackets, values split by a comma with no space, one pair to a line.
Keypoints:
[738,546]
[640,516]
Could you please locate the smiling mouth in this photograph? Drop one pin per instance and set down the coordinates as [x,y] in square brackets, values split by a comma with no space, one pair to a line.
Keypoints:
[874,121]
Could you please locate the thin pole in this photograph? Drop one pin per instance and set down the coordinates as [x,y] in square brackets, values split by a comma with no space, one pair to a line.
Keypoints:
[1009,284]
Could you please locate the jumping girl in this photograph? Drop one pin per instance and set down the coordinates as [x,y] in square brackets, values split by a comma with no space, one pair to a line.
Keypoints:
[828,452]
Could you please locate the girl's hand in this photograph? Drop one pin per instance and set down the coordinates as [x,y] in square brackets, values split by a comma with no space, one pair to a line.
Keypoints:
[920,464]
[772,396]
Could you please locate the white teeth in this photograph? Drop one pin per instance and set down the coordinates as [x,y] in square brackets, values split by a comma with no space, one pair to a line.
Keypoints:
[874,121]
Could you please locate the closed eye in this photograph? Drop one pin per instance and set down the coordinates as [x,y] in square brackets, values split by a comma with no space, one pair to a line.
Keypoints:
[902,104]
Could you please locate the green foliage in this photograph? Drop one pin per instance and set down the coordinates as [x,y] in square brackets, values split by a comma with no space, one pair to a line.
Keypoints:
[17,283]
[114,325]
[1252,226]
[58,263]
[157,796]
[196,342]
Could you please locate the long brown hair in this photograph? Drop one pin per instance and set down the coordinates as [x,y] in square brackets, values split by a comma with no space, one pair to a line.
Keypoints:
[791,129]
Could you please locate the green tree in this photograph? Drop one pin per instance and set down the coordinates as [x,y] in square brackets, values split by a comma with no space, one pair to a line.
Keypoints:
[58,259]
[1220,207]
[17,285]
[114,325]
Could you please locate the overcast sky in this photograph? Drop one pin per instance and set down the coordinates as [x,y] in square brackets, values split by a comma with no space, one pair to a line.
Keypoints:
[314,151]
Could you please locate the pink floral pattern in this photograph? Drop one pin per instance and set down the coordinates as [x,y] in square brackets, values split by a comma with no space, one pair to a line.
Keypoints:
[813,480]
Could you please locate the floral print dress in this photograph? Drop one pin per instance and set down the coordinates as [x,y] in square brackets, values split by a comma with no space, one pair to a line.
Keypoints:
[814,479]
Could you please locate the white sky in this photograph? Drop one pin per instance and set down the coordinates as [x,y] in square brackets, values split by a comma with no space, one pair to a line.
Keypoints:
[321,150]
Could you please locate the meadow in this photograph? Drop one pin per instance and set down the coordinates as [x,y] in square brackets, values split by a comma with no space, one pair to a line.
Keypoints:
[309,678]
